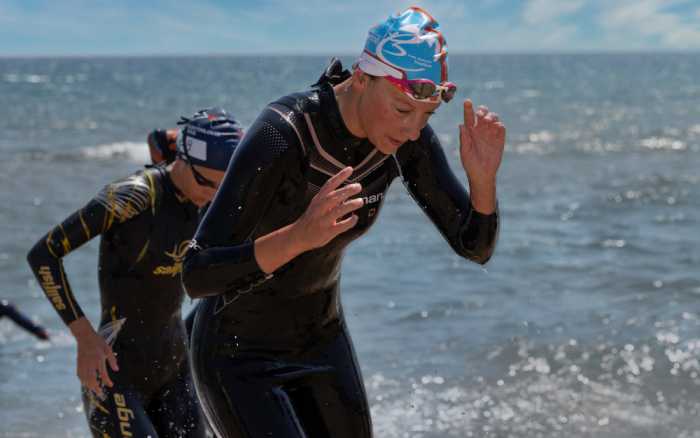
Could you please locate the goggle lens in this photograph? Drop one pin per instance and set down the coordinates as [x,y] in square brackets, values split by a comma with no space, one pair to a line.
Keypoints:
[424,89]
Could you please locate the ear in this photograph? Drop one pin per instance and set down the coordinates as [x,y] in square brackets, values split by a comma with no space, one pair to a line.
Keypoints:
[360,81]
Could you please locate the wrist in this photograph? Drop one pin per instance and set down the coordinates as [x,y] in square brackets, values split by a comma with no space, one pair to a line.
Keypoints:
[81,327]
[482,182]
[483,196]
[294,245]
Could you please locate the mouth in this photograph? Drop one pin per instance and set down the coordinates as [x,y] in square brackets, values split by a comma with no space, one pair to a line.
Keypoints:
[394,142]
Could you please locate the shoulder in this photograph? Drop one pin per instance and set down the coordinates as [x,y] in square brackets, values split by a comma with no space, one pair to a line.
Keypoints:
[282,125]
[130,196]
[302,102]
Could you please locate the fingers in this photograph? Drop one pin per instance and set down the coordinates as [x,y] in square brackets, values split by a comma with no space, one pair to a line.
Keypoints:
[88,377]
[491,117]
[335,181]
[112,359]
[469,119]
[465,139]
[347,207]
[346,224]
[488,120]
[341,195]
[482,115]
[104,375]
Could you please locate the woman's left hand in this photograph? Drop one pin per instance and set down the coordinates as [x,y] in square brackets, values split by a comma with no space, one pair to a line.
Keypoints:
[482,139]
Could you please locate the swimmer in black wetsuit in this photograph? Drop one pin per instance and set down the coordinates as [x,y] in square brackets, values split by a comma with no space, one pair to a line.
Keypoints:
[10,311]
[146,221]
[162,148]
[270,352]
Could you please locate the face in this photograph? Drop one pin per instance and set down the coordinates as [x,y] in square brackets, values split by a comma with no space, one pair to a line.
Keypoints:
[199,194]
[388,116]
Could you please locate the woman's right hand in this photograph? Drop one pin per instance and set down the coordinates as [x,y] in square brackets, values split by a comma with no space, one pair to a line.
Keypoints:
[93,353]
[325,217]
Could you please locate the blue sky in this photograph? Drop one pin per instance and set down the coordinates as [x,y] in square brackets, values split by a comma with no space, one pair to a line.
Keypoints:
[88,27]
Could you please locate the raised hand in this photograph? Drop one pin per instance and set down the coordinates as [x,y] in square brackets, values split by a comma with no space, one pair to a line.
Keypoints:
[482,140]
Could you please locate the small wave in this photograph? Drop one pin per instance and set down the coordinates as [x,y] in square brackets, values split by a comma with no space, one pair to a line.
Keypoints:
[136,152]
[14,78]
[663,143]
[529,148]
[541,137]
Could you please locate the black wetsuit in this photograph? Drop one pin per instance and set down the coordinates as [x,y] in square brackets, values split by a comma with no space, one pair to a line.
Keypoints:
[10,311]
[145,227]
[271,355]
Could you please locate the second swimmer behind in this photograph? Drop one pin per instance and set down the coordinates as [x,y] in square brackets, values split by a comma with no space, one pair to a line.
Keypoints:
[146,222]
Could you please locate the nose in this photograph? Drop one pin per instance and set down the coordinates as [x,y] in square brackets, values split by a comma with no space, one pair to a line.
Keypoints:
[412,127]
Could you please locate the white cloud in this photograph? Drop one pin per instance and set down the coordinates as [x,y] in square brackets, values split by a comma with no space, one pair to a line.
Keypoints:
[651,19]
[547,11]
[337,26]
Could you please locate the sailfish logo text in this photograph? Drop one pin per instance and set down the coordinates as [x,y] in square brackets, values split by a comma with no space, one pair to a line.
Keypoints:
[53,291]
[392,46]
[177,254]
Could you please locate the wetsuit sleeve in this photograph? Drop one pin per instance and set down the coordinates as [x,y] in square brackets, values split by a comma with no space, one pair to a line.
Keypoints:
[7,309]
[426,174]
[116,203]
[221,258]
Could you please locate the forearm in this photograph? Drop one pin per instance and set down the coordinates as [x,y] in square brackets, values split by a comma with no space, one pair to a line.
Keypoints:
[468,221]
[46,256]
[479,235]
[45,262]
[276,249]
[217,270]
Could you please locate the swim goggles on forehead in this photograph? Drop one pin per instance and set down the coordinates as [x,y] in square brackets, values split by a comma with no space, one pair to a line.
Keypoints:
[418,89]
[424,89]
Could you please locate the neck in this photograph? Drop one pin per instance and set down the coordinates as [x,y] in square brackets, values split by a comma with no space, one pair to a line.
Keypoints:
[348,104]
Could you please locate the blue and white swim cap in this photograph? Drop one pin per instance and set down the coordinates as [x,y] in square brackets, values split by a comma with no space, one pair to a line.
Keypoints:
[408,46]
[208,138]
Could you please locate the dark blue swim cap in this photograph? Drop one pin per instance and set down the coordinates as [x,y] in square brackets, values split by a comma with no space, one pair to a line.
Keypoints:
[208,138]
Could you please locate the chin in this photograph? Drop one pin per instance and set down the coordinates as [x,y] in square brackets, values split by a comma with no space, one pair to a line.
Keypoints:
[384,146]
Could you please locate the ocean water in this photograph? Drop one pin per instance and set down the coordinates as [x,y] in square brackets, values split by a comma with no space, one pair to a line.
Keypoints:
[586,322]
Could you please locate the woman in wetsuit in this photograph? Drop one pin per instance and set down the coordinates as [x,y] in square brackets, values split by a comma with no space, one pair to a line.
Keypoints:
[146,222]
[270,351]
